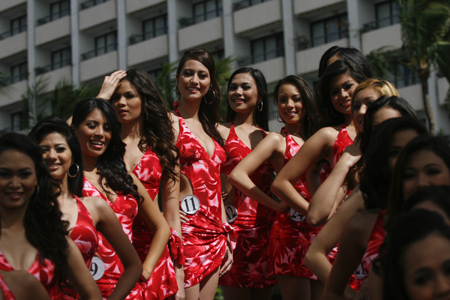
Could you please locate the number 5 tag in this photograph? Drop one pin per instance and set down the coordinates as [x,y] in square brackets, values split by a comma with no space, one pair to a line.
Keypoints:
[190,204]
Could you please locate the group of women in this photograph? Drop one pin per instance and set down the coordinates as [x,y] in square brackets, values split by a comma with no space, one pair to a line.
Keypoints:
[311,208]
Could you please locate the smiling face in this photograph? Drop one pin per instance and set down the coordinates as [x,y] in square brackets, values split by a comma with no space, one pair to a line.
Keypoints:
[426,266]
[360,104]
[94,134]
[194,80]
[17,179]
[57,155]
[126,102]
[290,104]
[243,93]
[341,92]
[424,168]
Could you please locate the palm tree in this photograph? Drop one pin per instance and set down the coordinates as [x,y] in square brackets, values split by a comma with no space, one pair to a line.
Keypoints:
[426,44]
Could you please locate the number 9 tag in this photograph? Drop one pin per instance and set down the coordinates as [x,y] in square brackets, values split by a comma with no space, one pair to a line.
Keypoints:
[190,204]
[97,268]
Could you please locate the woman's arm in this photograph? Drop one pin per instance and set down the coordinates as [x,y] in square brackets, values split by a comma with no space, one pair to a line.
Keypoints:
[79,276]
[317,147]
[149,211]
[316,256]
[110,83]
[170,192]
[352,246]
[332,191]
[271,147]
[106,222]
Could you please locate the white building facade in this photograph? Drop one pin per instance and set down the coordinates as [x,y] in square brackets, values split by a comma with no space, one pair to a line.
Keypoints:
[81,41]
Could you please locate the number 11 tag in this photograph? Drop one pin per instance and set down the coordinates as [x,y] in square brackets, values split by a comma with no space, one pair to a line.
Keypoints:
[190,204]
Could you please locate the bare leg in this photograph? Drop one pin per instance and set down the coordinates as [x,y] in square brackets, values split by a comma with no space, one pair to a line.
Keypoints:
[294,288]
[208,285]
[316,290]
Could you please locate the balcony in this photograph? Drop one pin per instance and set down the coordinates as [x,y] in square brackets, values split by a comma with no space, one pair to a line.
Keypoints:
[13,45]
[200,34]
[54,74]
[53,31]
[51,18]
[91,3]
[138,53]
[8,4]
[391,37]
[138,5]
[98,52]
[245,3]
[272,69]
[13,93]
[98,14]
[305,6]
[257,16]
[98,66]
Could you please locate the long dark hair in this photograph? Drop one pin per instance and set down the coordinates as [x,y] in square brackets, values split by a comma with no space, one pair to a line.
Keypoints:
[56,124]
[437,145]
[309,121]
[209,114]
[260,117]
[377,173]
[352,55]
[330,116]
[110,164]
[44,228]
[157,128]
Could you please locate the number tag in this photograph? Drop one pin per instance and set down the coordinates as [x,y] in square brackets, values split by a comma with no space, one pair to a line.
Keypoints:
[360,273]
[190,204]
[97,268]
[232,213]
[296,216]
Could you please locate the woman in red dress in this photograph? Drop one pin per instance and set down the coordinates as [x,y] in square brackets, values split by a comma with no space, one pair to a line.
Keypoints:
[33,237]
[105,176]
[246,127]
[290,235]
[205,231]
[85,215]
[152,156]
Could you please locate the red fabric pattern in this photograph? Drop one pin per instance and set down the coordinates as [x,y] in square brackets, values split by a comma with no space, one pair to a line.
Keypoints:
[162,283]
[252,224]
[204,236]
[6,291]
[126,208]
[42,270]
[291,234]
[84,235]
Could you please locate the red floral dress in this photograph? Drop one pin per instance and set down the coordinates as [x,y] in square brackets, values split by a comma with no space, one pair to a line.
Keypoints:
[162,283]
[84,235]
[43,270]
[373,247]
[252,223]
[106,266]
[204,234]
[6,291]
[291,234]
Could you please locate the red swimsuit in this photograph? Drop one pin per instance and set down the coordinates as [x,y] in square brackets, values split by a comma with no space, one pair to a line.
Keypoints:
[204,234]
[252,222]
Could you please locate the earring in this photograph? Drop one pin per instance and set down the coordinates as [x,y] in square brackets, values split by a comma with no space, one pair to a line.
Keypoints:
[76,172]
[260,106]
[213,97]
[278,119]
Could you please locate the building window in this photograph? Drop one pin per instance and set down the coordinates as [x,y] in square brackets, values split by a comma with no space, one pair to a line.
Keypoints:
[106,43]
[154,27]
[19,72]
[18,25]
[61,58]
[387,14]
[91,3]
[17,121]
[59,9]
[268,47]
[207,10]
[328,30]
[246,3]
[404,77]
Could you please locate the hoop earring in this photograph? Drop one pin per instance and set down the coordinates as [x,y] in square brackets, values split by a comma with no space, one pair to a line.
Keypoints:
[76,172]
[278,119]
[213,97]
[260,106]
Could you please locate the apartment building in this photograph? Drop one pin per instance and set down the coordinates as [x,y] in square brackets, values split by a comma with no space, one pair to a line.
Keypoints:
[81,41]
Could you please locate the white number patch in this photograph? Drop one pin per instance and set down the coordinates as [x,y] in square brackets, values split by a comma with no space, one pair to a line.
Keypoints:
[296,216]
[190,204]
[97,268]
[232,213]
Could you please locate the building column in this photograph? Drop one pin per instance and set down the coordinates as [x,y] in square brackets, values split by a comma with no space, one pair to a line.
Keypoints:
[289,37]
[121,34]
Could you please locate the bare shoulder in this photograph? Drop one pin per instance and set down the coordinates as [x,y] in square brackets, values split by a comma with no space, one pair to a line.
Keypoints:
[274,137]
[224,129]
